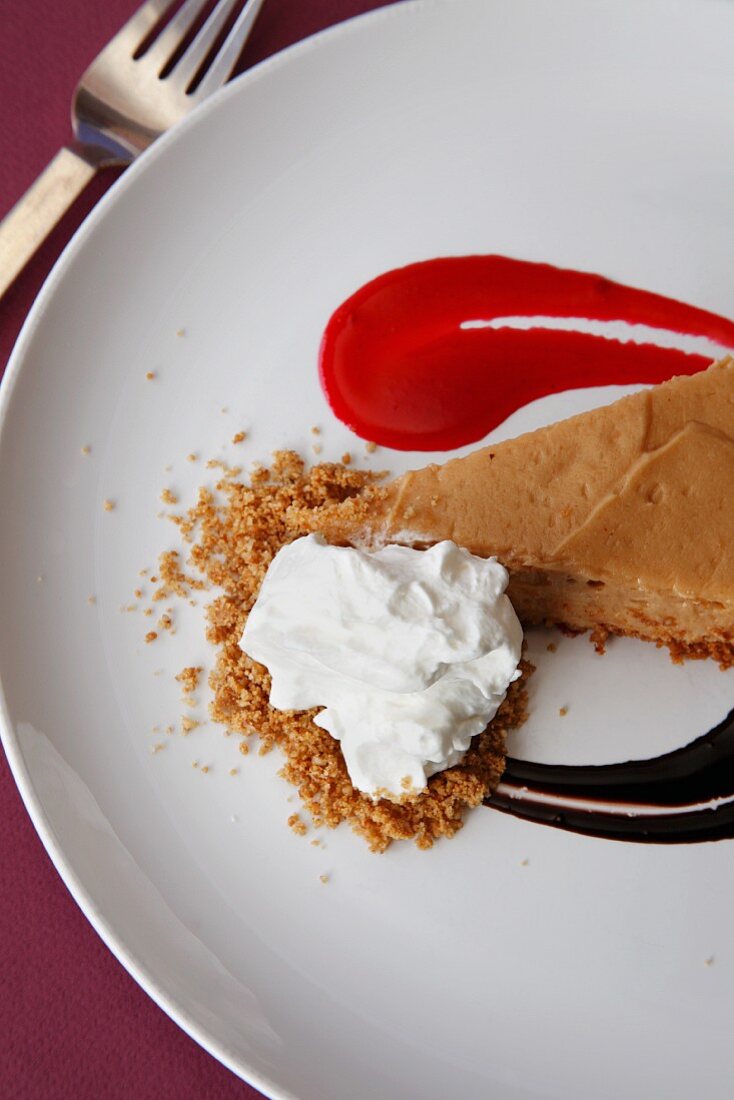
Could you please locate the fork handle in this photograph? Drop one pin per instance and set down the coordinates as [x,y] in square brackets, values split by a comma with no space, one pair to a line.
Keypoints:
[33,217]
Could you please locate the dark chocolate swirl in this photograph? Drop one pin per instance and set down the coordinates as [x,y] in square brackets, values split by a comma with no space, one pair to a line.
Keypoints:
[682,797]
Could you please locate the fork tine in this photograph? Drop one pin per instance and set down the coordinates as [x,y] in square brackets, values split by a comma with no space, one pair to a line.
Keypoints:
[226,58]
[141,23]
[170,38]
[187,67]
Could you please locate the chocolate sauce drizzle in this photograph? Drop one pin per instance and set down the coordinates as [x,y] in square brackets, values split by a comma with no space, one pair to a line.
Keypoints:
[682,797]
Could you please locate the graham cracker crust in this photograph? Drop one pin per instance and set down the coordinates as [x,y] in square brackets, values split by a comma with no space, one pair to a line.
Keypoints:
[232,535]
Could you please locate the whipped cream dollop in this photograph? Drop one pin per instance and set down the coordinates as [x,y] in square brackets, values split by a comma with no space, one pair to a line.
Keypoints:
[409,652]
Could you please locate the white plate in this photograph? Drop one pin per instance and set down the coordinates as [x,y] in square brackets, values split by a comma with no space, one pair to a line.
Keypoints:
[597,136]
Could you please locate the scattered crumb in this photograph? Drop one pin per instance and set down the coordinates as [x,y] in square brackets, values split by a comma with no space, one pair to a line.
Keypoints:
[151,636]
[188,724]
[143,573]
[91,599]
[174,581]
[169,729]
[194,763]
[190,701]
[298,826]
[158,747]
[169,497]
[323,879]
[192,457]
[147,610]
[86,450]
[346,458]
[224,409]
[180,332]
[167,469]
[150,375]
[138,593]
[563,711]
[370,448]
[189,677]
[228,471]
[108,505]
[243,746]
[709,961]
[317,448]
[165,622]
[317,843]
[206,769]
[551,647]
[598,639]
[524,862]
[239,437]
[233,771]
[315,430]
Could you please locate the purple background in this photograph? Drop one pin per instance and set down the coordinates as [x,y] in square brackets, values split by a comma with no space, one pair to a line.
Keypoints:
[72,1022]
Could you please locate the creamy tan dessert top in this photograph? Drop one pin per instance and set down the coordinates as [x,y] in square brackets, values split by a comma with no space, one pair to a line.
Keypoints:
[633,502]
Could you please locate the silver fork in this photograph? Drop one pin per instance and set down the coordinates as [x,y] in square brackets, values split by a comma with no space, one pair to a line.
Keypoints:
[127,97]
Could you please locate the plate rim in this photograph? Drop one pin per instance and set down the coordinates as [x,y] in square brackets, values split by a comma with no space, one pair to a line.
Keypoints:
[9,740]
[83,896]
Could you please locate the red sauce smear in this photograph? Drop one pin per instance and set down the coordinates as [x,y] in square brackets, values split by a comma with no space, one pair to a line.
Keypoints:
[398,369]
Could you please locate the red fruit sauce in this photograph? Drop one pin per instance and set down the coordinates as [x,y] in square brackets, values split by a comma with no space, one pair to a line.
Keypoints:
[398,368]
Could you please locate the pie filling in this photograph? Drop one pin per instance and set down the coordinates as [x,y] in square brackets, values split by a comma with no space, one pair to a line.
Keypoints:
[619,520]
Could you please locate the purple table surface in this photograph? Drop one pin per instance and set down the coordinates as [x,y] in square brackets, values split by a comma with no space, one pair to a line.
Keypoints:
[73,1023]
